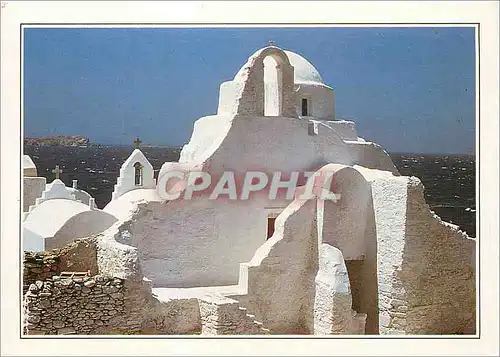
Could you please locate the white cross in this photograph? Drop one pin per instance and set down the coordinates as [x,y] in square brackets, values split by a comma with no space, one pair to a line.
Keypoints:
[57,171]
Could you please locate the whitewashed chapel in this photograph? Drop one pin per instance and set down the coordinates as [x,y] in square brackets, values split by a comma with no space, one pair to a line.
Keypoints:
[375,260]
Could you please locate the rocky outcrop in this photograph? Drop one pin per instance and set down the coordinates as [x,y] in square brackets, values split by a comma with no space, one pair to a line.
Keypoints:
[74,140]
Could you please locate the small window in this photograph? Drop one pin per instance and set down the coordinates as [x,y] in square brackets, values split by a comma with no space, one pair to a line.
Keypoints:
[304,107]
[138,174]
[270,226]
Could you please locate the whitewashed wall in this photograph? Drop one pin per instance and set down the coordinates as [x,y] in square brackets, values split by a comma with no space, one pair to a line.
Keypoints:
[281,275]
[277,143]
[320,100]
[426,276]
[32,241]
[197,242]
[344,222]
[346,129]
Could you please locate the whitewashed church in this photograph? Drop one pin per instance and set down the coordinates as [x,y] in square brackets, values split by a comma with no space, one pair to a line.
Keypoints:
[374,261]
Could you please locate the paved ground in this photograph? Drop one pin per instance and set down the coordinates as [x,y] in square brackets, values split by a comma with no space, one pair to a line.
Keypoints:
[165,294]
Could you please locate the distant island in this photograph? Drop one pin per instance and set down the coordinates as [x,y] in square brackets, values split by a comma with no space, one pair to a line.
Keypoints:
[60,140]
[84,141]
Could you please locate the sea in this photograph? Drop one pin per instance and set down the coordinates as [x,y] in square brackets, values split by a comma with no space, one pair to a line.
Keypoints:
[449,180]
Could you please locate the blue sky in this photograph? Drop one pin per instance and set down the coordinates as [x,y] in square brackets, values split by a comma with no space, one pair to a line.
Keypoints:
[408,89]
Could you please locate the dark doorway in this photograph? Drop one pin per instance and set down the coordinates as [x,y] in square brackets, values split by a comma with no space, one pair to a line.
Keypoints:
[270,226]
[304,107]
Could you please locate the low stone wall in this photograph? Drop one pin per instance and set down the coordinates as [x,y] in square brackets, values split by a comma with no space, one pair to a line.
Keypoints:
[38,266]
[79,255]
[72,305]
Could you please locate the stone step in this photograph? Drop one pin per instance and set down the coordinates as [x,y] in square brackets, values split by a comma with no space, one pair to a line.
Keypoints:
[251,317]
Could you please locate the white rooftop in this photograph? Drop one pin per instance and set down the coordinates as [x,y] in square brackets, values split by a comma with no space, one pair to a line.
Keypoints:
[49,216]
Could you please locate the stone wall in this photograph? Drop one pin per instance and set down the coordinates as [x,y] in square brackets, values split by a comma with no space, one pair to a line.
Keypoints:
[101,305]
[117,300]
[73,305]
[438,272]
[177,316]
[426,279]
[78,256]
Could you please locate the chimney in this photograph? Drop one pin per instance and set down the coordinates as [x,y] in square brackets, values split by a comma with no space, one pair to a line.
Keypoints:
[75,184]
[92,203]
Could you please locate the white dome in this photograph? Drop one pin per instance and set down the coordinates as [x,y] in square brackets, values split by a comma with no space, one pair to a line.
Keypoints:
[60,221]
[304,71]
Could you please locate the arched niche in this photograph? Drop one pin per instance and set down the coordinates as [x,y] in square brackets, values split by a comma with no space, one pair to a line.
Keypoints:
[138,174]
[251,96]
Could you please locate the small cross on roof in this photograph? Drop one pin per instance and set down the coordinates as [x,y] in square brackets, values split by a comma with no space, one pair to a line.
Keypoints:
[271,43]
[57,171]
[137,142]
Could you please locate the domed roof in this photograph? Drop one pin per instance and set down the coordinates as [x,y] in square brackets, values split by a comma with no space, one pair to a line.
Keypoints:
[64,220]
[49,216]
[304,71]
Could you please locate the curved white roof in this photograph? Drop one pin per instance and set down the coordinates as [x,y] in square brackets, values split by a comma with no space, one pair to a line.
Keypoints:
[80,195]
[125,205]
[304,71]
[49,216]
[60,221]
[29,167]
[28,162]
